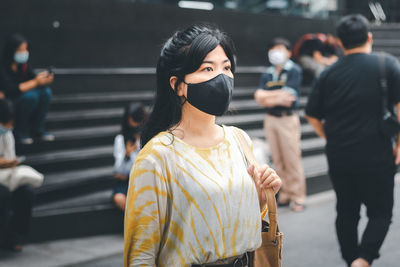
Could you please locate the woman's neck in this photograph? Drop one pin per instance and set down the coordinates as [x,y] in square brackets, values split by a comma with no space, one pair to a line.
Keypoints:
[198,128]
[195,121]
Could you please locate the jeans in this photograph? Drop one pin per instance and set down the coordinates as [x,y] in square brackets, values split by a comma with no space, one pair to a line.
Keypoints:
[31,110]
[15,212]
[375,190]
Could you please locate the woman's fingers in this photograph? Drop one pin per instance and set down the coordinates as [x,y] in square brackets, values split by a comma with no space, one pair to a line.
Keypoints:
[265,175]
[270,179]
[251,170]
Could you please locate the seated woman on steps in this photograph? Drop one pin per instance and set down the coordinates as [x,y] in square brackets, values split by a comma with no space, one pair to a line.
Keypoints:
[29,92]
[126,148]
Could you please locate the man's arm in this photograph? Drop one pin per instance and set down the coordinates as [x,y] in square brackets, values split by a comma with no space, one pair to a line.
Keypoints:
[273,98]
[317,125]
[396,149]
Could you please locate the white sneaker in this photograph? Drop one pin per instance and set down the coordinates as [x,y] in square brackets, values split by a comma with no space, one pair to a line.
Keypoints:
[26,141]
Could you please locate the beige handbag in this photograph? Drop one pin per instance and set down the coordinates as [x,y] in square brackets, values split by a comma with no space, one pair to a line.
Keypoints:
[270,252]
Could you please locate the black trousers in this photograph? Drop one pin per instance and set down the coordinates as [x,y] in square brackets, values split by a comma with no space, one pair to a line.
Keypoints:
[15,212]
[373,188]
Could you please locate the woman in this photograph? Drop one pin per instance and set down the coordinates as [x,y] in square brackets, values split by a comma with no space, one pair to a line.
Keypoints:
[126,149]
[191,198]
[29,92]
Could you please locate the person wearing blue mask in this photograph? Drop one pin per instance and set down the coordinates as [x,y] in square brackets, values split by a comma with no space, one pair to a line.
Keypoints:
[278,92]
[29,92]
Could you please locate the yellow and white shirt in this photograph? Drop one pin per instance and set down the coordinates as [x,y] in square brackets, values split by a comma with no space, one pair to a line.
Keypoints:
[189,205]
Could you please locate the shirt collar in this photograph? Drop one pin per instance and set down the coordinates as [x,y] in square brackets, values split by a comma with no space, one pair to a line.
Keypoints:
[288,66]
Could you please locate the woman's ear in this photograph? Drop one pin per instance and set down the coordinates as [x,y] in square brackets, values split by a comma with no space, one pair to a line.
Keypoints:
[172,82]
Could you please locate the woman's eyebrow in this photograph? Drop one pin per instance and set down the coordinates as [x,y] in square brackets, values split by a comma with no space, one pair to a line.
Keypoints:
[212,62]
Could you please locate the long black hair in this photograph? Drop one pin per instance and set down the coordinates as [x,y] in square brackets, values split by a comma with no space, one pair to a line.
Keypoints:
[182,54]
[138,113]
[6,111]
[11,45]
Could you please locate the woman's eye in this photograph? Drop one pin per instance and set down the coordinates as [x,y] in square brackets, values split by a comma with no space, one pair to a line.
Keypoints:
[208,69]
[228,68]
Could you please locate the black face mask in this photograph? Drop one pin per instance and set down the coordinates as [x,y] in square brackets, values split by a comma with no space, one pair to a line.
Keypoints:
[212,96]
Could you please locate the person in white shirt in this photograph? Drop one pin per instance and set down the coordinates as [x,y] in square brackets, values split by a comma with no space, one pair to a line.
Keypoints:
[16,182]
[126,149]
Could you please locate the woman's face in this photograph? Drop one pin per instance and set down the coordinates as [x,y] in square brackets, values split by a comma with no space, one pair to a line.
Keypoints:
[133,123]
[215,63]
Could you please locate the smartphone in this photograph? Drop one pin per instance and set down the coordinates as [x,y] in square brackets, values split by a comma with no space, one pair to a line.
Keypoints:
[50,70]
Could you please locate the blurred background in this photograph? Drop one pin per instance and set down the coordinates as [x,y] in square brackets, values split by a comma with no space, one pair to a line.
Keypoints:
[104,53]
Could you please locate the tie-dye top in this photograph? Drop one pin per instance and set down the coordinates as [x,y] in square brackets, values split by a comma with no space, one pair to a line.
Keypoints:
[189,205]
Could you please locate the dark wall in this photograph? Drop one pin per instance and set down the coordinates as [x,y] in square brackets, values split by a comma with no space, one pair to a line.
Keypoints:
[107,33]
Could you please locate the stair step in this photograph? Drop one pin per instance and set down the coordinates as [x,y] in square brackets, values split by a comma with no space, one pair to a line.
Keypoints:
[310,146]
[104,82]
[250,121]
[63,160]
[90,214]
[104,135]
[60,185]
[94,213]
[96,117]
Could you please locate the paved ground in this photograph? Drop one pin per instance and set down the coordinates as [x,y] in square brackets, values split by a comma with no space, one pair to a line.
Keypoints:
[309,241]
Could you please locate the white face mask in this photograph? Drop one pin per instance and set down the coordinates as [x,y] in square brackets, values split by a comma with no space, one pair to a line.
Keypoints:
[277,57]
[21,57]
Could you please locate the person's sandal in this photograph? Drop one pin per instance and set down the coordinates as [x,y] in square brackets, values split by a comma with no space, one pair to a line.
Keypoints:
[297,206]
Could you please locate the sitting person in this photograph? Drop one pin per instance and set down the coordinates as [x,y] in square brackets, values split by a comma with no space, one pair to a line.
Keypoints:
[311,54]
[332,48]
[29,92]
[16,182]
[126,148]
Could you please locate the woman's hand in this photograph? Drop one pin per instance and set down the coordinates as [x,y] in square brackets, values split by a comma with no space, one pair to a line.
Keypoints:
[264,178]
[5,163]
[44,78]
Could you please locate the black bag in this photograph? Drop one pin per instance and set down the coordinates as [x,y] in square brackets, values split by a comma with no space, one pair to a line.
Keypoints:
[390,125]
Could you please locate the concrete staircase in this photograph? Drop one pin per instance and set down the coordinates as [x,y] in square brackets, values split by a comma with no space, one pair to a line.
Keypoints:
[86,111]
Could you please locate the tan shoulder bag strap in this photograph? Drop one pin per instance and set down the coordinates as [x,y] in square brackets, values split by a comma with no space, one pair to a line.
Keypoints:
[269,192]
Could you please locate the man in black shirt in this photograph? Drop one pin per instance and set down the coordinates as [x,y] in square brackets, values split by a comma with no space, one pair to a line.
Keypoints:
[345,108]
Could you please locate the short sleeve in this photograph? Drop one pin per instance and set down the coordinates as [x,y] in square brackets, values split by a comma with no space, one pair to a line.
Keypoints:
[294,78]
[263,80]
[8,85]
[394,78]
[314,107]
[146,211]
[119,153]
